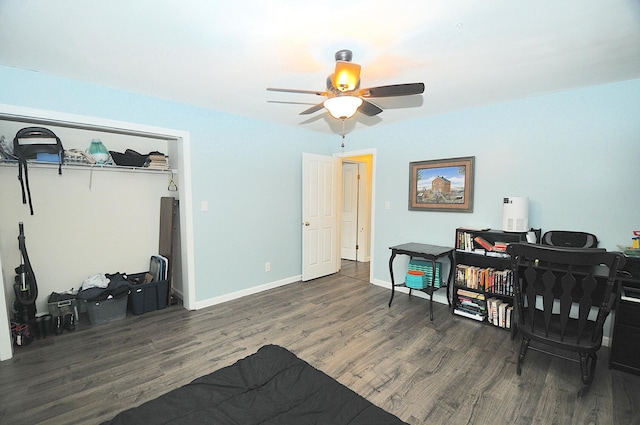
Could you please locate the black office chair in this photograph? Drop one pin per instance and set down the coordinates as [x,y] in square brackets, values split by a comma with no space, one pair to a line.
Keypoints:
[556,289]
[570,239]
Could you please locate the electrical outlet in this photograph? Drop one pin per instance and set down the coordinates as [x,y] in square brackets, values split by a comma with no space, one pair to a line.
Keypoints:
[267,266]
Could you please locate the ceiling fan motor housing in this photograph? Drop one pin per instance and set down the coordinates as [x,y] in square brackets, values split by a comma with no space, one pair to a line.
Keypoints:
[344,55]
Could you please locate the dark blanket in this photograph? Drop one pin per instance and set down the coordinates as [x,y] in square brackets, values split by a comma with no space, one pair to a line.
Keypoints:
[272,386]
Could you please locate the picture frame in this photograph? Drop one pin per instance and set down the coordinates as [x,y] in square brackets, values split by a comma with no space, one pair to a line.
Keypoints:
[442,185]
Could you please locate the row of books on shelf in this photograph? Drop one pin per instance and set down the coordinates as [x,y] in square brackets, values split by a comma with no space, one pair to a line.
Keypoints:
[487,279]
[499,313]
[474,306]
[470,242]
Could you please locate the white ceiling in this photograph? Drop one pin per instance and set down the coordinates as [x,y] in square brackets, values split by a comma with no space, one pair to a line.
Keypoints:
[222,54]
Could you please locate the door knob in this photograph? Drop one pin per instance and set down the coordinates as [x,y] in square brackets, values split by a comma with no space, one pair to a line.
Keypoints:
[306,223]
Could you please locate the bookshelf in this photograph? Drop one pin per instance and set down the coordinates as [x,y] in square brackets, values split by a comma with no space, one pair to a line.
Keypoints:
[483,282]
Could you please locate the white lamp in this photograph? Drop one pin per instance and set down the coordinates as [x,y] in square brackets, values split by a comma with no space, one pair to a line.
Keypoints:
[342,107]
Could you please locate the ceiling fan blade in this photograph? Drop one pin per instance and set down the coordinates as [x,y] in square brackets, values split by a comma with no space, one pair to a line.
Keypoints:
[393,90]
[288,102]
[316,92]
[369,109]
[314,108]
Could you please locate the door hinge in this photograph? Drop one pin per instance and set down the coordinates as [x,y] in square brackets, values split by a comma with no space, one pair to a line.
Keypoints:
[357,247]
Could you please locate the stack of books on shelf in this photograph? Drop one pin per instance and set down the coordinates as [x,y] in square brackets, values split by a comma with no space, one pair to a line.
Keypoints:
[465,241]
[483,243]
[157,162]
[471,305]
[500,246]
[469,242]
[487,279]
[499,313]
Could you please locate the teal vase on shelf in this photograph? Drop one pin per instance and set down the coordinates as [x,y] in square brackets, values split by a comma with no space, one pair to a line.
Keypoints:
[98,151]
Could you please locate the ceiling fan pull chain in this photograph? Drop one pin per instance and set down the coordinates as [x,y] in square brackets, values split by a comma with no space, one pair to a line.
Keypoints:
[342,146]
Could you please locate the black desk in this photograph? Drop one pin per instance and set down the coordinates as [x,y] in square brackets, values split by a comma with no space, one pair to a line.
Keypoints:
[428,252]
[624,352]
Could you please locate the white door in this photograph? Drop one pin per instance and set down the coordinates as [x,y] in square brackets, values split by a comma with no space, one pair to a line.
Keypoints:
[320,243]
[349,218]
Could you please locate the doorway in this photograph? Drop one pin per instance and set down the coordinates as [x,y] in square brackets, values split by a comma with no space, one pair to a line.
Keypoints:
[357,218]
[321,197]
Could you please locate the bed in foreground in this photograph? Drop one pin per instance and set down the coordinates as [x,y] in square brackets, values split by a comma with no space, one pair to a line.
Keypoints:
[272,386]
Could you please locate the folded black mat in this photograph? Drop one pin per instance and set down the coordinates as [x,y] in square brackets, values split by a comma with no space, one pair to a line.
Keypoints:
[272,386]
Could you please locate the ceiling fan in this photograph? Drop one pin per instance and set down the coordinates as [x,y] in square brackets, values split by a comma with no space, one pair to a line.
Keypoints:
[344,95]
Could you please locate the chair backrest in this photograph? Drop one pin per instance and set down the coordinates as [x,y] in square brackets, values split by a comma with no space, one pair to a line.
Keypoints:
[556,288]
[570,239]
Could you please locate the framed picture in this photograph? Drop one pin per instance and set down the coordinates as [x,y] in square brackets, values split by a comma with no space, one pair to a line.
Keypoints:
[442,185]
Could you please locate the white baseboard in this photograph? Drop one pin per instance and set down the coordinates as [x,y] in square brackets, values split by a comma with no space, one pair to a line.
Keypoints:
[178,293]
[243,293]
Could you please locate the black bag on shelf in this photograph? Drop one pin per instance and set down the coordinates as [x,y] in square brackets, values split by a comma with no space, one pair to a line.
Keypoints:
[129,158]
[30,143]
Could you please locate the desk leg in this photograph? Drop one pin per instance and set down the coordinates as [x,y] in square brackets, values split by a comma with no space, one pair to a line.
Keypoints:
[393,283]
[433,287]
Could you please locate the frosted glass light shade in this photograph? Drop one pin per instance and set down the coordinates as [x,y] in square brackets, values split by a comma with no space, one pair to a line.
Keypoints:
[342,107]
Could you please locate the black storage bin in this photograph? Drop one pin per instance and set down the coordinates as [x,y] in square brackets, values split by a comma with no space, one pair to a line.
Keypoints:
[105,311]
[145,297]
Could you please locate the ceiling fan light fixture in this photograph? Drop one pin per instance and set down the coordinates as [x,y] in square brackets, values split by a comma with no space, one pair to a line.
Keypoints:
[342,107]
[346,76]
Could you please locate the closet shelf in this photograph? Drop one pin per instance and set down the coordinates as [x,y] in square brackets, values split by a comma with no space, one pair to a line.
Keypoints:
[90,167]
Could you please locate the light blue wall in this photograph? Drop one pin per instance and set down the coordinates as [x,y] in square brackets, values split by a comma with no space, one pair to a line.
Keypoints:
[575,154]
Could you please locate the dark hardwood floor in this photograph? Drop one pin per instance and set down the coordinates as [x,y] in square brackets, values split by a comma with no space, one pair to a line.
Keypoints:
[449,371]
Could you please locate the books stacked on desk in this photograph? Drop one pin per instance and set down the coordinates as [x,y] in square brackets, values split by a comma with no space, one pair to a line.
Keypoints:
[157,161]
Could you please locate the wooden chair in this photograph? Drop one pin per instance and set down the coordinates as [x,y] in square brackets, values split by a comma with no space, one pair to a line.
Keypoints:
[562,298]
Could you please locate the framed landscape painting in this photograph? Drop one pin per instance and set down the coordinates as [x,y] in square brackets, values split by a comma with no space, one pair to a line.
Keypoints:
[442,185]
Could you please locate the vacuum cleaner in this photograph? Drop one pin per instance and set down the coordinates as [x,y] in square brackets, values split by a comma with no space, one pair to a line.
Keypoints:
[25,289]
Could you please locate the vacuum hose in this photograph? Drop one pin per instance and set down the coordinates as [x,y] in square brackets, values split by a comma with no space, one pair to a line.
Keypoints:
[25,288]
